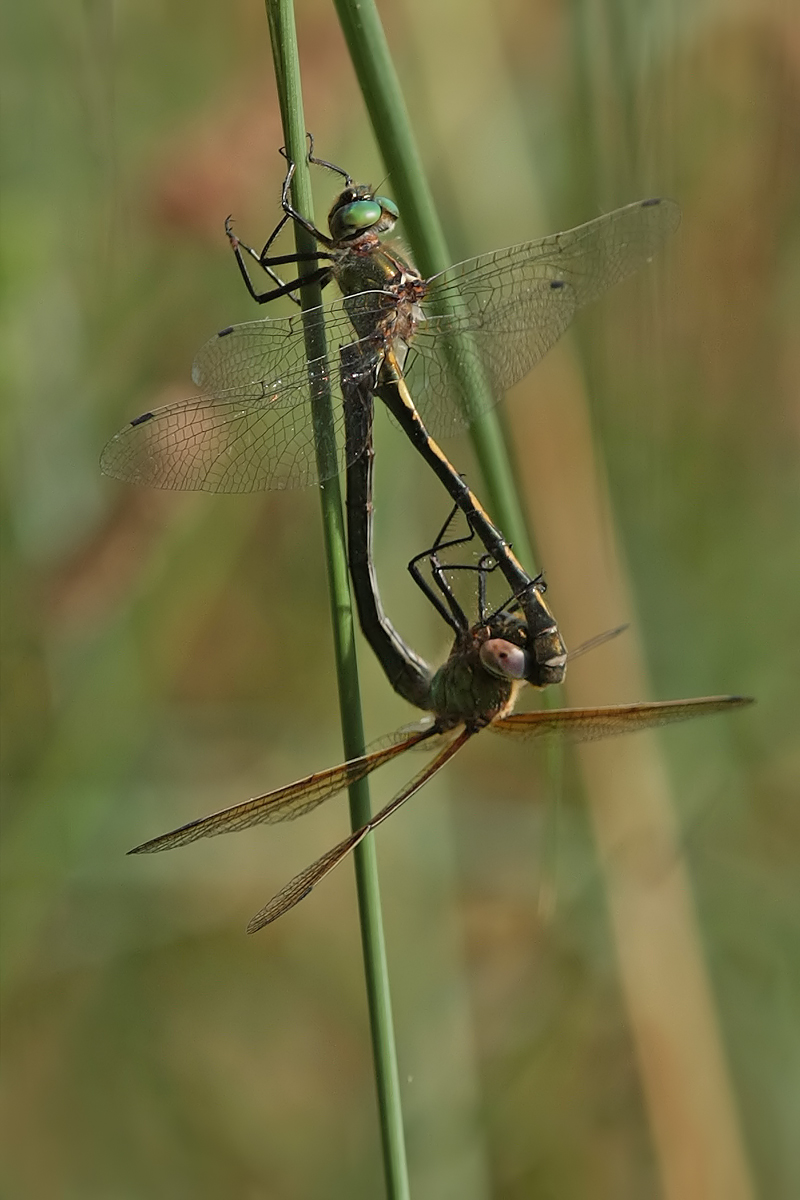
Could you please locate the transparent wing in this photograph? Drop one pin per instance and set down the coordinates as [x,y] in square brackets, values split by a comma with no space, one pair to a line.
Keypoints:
[286,803]
[252,429]
[492,318]
[487,322]
[591,724]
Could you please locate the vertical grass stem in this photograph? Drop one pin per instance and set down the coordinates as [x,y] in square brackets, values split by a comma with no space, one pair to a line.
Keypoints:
[283,35]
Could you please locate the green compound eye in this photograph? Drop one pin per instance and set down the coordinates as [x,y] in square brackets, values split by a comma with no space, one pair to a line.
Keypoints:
[360,214]
[388,206]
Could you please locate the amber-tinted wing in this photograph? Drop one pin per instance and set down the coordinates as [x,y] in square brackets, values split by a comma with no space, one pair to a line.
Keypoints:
[299,887]
[591,724]
[286,803]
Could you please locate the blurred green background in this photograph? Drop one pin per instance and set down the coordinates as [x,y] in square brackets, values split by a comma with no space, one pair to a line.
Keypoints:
[167,655]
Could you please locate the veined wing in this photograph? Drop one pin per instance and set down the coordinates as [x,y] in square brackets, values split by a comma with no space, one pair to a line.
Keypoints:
[299,887]
[274,347]
[591,258]
[516,303]
[461,364]
[286,803]
[591,724]
[252,429]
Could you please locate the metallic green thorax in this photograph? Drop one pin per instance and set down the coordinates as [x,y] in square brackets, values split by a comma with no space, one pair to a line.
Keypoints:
[371,276]
[371,266]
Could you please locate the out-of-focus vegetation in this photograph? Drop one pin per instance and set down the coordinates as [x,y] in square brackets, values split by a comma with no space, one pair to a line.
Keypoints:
[166,655]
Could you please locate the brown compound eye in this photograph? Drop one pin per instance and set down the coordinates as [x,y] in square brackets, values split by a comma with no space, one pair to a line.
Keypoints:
[503,659]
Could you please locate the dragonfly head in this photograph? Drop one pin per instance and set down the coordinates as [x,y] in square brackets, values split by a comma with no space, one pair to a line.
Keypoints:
[541,655]
[357,210]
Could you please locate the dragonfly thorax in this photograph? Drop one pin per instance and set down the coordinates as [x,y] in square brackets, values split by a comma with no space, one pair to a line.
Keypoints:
[480,680]
[381,289]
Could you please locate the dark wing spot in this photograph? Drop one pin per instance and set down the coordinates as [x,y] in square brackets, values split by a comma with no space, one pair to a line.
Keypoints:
[225,332]
[141,420]
[556,283]
[651,203]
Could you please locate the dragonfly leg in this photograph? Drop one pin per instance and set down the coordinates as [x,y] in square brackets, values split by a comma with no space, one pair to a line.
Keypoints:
[263,255]
[321,275]
[321,162]
[453,615]
[484,566]
[439,542]
[262,259]
[297,217]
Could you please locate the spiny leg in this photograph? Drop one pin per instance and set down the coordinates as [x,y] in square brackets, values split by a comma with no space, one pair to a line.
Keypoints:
[453,614]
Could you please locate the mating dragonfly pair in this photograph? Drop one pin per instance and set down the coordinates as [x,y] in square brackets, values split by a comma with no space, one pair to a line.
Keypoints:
[456,342]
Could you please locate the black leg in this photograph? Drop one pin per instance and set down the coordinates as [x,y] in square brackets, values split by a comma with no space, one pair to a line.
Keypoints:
[268,262]
[485,565]
[453,614]
[322,275]
[294,215]
[320,162]
[238,245]
[514,601]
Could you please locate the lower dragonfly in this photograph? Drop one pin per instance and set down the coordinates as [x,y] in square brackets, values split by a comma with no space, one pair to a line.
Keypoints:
[457,340]
[476,688]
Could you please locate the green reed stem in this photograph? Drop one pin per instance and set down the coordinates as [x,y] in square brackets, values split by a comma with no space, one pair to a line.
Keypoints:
[383,97]
[283,35]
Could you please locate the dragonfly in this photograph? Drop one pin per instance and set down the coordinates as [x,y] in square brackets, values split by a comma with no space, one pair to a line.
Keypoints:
[457,341]
[475,689]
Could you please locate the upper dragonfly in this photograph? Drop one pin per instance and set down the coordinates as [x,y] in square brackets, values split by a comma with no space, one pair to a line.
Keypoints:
[456,341]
